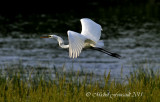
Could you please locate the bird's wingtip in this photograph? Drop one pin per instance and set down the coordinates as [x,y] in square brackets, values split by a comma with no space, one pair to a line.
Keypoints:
[68,31]
[85,19]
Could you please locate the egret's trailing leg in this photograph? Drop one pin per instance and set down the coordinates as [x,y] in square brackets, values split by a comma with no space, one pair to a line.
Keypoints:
[106,52]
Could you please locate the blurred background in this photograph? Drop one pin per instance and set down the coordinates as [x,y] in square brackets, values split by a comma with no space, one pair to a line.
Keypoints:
[46,17]
[131,28]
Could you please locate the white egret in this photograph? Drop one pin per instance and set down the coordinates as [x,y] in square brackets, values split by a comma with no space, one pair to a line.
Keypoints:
[89,38]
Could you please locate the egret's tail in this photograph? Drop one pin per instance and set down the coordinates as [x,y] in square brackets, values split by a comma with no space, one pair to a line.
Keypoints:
[100,43]
[106,52]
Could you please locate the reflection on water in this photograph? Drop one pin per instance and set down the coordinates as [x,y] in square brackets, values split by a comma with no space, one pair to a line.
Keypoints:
[138,45]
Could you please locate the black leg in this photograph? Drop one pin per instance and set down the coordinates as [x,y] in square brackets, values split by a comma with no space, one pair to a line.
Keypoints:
[106,52]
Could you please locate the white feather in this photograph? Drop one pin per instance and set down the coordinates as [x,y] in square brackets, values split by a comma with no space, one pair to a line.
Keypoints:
[89,37]
[91,29]
[100,43]
[76,43]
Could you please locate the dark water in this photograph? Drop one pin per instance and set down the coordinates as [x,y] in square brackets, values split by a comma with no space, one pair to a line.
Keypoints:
[131,32]
[136,45]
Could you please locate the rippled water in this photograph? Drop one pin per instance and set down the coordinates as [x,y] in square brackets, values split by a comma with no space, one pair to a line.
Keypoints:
[136,46]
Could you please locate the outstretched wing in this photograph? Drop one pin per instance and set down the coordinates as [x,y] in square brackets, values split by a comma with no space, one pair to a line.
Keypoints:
[76,43]
[91,29]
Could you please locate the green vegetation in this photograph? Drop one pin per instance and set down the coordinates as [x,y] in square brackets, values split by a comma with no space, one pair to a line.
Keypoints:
[36,84]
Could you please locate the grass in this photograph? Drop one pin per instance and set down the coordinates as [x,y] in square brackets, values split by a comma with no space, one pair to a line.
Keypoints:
[40,84]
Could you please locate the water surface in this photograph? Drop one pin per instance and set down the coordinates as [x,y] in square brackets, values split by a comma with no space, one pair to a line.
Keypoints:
[137,45]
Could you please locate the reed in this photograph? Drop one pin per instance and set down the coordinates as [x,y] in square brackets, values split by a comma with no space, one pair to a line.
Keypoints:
[36,84]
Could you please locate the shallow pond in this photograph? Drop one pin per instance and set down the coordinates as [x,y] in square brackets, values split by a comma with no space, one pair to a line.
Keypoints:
[136,46]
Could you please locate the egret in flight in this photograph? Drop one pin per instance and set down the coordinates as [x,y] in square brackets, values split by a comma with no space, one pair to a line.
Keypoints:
[89,38]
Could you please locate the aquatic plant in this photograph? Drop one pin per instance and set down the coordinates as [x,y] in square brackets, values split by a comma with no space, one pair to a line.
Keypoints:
[36,84]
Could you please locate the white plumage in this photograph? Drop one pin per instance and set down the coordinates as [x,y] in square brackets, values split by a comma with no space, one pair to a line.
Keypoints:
[90,29]
[76,43]
[89,37]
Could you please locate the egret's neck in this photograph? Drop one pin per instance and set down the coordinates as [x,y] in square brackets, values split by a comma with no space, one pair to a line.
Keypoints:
[61,42]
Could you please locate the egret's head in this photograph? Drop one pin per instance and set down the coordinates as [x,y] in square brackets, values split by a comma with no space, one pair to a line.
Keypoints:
[49,36]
